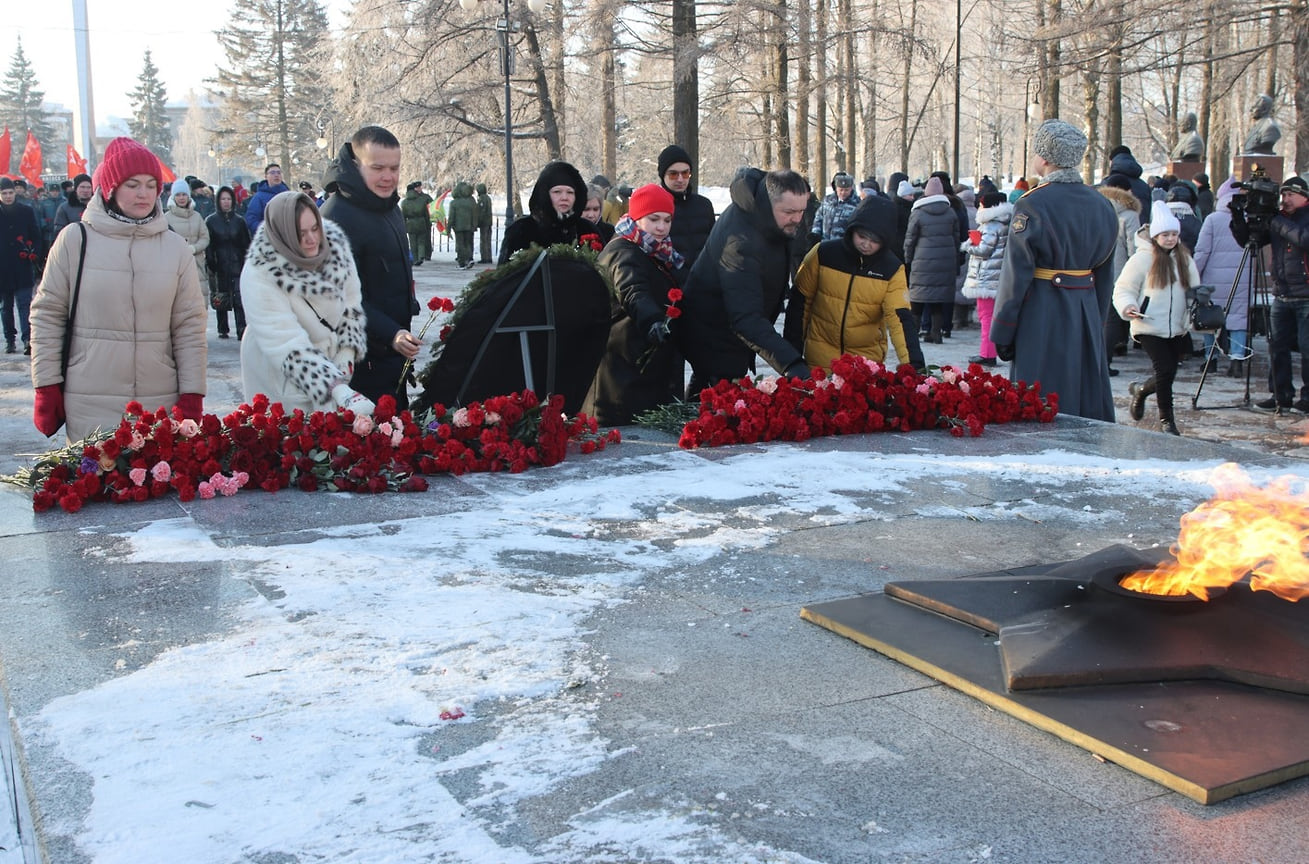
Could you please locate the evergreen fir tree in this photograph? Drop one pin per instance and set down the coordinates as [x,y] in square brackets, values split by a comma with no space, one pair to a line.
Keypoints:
[149,123]
[272,83]
[20,109]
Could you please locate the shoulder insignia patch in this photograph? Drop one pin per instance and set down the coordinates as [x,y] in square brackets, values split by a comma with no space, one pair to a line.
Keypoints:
[1019,224]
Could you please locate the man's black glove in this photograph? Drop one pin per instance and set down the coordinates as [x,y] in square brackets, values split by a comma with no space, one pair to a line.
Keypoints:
[799,369]
[1005,352]
[658,333]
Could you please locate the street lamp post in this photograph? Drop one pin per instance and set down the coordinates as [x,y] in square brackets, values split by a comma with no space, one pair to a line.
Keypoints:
[504,27]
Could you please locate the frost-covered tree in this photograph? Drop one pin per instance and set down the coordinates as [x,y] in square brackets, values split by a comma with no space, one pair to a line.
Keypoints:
[149,121]
[20,107]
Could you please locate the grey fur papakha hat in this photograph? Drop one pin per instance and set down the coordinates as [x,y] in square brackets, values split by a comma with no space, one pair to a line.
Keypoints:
[1059,143]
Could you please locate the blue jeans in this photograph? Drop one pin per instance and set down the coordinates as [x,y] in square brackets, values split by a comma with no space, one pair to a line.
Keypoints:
[1235,345]
[22,297]
[1290,332]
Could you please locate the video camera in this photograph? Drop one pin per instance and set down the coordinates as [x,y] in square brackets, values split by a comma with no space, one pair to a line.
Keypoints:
[1257,203]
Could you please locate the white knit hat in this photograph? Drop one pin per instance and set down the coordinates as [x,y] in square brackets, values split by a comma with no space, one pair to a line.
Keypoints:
[905,188]
[1162,219]
[180,187]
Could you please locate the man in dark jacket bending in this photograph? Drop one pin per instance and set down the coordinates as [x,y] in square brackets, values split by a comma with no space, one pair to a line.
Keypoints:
[736,288]
[363,199]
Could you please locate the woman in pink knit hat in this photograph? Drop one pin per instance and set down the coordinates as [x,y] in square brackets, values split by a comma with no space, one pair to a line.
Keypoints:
[134,300]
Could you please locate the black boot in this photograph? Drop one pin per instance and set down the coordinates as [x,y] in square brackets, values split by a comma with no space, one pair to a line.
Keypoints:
[1167,425]
[9,347]
[1236,369]
[1140,392]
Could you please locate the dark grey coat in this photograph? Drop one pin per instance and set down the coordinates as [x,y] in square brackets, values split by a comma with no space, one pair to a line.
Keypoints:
[931,247]
[1057,331]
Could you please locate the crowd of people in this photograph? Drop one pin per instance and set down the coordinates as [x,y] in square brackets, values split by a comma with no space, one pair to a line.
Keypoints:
[1061,277]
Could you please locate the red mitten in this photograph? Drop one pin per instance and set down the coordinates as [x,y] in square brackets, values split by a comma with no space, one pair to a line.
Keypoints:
[192,405]
[48,411]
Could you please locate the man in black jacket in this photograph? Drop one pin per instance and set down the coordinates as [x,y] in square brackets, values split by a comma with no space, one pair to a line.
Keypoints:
[694,216]
[20,248]
[736,288]
[1289,231]
[363,199]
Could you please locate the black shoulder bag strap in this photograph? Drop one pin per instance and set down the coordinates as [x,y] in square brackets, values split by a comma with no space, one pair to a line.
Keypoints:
[72,305]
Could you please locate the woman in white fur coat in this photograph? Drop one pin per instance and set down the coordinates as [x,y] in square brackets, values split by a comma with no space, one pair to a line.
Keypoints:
[304,316]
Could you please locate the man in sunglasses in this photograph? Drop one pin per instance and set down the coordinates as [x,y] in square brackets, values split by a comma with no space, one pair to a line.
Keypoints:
[693,215]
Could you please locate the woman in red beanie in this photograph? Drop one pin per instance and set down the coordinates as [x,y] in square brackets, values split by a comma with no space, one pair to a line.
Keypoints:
[138,323]
[641,367]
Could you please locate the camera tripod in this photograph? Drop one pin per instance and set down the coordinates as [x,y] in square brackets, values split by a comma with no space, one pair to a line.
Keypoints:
[1257,290]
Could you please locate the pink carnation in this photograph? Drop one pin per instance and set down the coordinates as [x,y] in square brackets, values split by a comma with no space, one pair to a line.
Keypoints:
[137,475]
[206,491]
[161,472]
[363,424]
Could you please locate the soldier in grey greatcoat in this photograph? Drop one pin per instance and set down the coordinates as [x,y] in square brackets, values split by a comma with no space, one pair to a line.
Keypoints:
[1057,280]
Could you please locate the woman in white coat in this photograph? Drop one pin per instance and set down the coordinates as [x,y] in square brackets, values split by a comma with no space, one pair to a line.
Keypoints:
[304,316]
[1151,293]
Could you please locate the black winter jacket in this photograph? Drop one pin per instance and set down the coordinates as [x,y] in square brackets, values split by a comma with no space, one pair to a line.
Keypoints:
[636,374]
[735,290]
[1290,245]
[693,219]
[543,226]
[229,240]
[381,251]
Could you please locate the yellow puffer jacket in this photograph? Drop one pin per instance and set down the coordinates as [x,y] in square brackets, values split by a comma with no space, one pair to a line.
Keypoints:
[851,303]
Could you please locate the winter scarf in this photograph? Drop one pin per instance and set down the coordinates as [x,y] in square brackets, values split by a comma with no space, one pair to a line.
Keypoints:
[660,250]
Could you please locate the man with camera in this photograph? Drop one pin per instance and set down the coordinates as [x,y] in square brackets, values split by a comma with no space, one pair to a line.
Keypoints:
[1288,232]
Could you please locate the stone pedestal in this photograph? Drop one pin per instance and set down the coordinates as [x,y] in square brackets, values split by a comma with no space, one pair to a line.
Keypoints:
[1185,170]
[1243,167]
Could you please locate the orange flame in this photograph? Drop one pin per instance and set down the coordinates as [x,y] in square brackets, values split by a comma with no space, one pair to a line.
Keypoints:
[1243,529]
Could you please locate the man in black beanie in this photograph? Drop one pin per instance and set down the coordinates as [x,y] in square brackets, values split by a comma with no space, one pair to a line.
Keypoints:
[693,216]
[71,210]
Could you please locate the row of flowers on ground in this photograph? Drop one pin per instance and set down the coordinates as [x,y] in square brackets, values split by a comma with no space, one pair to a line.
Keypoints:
[261,445]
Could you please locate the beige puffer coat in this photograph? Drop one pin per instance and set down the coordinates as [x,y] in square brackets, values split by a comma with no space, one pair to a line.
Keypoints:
[139,331]
[190,225]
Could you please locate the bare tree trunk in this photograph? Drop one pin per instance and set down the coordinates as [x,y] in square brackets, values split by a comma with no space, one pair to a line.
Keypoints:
[1052,10]
[1091,103]
[820,108]
[842,89]
[1207,84]
[557,86]
[904,86]
[1300,69]
[849,84]
[1274,33]
[686,81]
[781,63]
[549,121]
[1113,130]
[804,83]
[608,96]
[869,73]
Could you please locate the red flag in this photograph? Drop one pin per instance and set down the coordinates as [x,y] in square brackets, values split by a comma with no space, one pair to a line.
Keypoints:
[168,175]
[30,167]
[76,164]
[4,152]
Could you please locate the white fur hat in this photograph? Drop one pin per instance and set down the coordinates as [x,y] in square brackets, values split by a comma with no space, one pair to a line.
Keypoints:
[1162,219]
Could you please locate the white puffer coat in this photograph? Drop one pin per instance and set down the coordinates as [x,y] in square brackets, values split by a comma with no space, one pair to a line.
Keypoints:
[304,328]
[987,257]
[1167,310]
[139,331]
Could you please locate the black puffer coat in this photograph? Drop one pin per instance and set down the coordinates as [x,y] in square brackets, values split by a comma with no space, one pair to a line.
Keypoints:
[636,374]
[1125,165]
[693,219]
[381,251]
[229,240]
[543,226]
[931,246]
[735,290]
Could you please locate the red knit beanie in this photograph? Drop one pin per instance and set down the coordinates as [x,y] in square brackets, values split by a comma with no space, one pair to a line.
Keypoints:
[125,158]
[651,198]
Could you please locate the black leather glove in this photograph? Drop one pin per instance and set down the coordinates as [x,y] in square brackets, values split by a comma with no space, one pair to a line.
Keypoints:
[658,333]
[1005,352]
[799,369]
